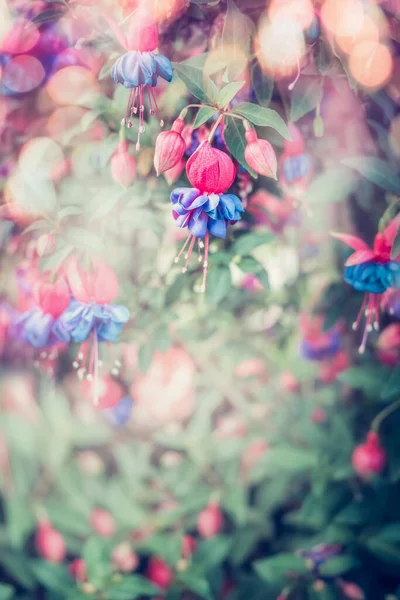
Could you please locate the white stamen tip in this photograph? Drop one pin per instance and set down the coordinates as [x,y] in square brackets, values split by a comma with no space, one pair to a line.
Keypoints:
[184,270]
[100,363]
[203,289]
[89,377]
[130,124]
[205,264]
[354,326]
[176,259]
[80,356]
[376,326]
[361,349]
[114,371]
[75,364]
[137,147]
[369,327]
[162,123]
[117,362]
[123,122]
[200,258]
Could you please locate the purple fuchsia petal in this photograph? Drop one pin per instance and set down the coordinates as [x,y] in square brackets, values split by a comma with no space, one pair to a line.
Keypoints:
[198,223]
[217,228]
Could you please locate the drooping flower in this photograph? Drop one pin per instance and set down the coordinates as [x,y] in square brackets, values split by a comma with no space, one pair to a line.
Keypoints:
[317,344]
[140,67]
[91,318]
[119,414]
[372,271]
[295,174]
[205,208]
[170,147]
[319,554]
[41,325]
[260,155]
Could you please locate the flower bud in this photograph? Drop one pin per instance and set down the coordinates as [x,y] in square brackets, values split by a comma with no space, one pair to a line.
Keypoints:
[296,145]
[124,559]
[123,166]
[260,155]
[175,172]
[210,170]
[78,570]
[46,244]
[289,382]
[210,521]
[50,543]
[52,298]
[159,572]
[102,522]
[369,459]
[170,147]
[189,546]
[318,415]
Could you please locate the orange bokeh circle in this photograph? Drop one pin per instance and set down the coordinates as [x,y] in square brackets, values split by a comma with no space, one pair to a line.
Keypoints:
[371,64]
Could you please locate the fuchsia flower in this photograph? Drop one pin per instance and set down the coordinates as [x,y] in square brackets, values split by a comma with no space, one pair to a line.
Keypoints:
[260,155]
[373,272]
[205,208]
[170,147]
[296,166]
[388,345]
[139,69]
[123,166]
[316,343]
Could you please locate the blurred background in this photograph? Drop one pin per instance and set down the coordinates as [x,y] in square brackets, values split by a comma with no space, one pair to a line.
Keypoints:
[217,457]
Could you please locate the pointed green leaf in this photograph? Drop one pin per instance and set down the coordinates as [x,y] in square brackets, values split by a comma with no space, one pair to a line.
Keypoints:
[199,84]
[236,142]
[204,115]
[306,96]
[337,565]
[263,117]
[228,92]
[376,170]
[219,284]
[280,566]
[263,86]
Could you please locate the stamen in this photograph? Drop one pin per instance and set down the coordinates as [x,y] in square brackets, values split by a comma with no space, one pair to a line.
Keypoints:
[188,255]
[200,258]
[291,86]
[96,369]
[123,122]
[156,107]
[205,264]
[356,323]
[152,111]
[177,258]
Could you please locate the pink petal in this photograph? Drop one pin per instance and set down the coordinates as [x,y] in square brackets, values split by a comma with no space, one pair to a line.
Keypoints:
[391,230]
[358,257]
[351,240]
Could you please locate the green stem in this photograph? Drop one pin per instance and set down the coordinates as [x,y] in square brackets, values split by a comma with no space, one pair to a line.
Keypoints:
[376,423]
[214,129]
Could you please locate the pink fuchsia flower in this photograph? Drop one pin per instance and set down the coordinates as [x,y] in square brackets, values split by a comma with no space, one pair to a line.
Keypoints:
[110,392]
[78,570]
[170,147]
[260,155]
[330,369]
[175,172]
[372,271]
[160,573]
[123,166]
[50,543]
[139,69]
[210,521]
[210,170]
[388,345]
[316,343]
[102,522]
[289,382]
[267,209]
[369,459]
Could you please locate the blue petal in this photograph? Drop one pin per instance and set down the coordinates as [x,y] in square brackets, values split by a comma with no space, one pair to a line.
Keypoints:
[198,224]
[217,228]
[164,67]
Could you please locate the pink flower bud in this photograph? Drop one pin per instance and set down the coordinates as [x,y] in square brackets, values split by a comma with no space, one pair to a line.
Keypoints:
[123,166]
[50,543]
[318,415]
[352,590]
[296,145]
[389,345]
[46,244]
[189,546]
[369,459]
[210,170]
[289,382]
[175,172]
[170,147]
[124,559]
[210,521]
[260,155]
[102,522]
[52,298]
[78,570]
[99,285]
[159,573]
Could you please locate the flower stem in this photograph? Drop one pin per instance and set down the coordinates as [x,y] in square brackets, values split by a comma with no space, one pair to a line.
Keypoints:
[376,423]
[215,127]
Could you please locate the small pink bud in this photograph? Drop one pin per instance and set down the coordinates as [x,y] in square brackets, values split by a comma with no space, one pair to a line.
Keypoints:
[352,590]
[52,298]
[369,459]
[124,559]
[189,546]
[159,572]
[175,172]
[50,543]
[210,170]
[102,522]
[253,452]
[78,570]
[46,244]
[210,521]
[123,166]
[318,415]
[289,382]
[260,155]
[170,147]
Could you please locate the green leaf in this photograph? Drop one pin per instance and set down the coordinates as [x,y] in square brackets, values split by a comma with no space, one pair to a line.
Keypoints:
[146,351]
[250,241]
[96,554]
[263,117]
[168,546]
[379,171]
[306,95]
[228,92]
[391,387]
[199,84]
[83,239]
[338,565]
[17,566]
[333,185]
[196,583]
[383,550]
[132,587]
[218,284]
[236,142]
[248,264]
[263,86]
[236,38]
[368,377]
[204,115]
[280,566]
[52,576]
[55,260]
[212,552]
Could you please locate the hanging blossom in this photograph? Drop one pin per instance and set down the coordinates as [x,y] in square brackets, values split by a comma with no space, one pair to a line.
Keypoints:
[206,209]
[91,318]
[317,344]
[372,271]
[296,166]
[140,67]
